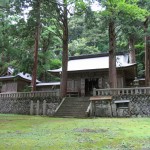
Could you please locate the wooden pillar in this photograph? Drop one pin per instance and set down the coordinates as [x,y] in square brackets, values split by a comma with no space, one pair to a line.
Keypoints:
[37,107]
[44,107]
[31,108]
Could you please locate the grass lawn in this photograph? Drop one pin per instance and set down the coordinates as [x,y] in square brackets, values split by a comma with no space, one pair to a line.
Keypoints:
[19,132]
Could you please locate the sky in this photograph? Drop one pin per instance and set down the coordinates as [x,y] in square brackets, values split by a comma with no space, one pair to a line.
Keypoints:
[96,6]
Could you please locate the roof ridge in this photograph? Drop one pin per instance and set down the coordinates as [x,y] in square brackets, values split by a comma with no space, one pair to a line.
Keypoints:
[94,55]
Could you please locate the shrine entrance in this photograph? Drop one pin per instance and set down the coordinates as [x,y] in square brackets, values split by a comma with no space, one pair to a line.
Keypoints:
[90,83]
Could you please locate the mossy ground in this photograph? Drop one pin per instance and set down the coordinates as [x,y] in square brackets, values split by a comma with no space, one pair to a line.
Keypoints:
[20,132]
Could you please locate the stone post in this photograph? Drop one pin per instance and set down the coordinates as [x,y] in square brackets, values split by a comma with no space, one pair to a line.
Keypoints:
[37,107]
[94,91]
[31,108]
[57,92]
[44,107]
[93,108]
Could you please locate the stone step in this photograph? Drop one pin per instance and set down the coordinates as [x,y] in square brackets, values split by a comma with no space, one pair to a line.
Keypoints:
[71,114]
[74,107]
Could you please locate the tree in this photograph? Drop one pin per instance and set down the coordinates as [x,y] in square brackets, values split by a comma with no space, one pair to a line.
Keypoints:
[132,31]
[147,51]
[62,13]
[113,10]
[36,6]
[87,34]
[58,26]
[80,47]
[65,51]
[24,32]
[5,30]
[112,55]
[62,20]
[145,4]
[4,4]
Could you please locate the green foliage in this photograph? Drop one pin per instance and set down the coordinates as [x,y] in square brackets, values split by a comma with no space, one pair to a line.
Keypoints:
[26,89]
[55,63]
[80,47]
[17,38]
[4,4]
[76,27]
[128,17]
[89,29]
[88,32]
[80,6]
[140,59]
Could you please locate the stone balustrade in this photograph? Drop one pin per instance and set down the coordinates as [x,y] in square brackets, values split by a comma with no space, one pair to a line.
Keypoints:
[139,98]
[34,103]
[121,91]
[29,94]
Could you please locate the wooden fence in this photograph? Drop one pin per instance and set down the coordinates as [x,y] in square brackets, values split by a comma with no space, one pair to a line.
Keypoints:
[121,91]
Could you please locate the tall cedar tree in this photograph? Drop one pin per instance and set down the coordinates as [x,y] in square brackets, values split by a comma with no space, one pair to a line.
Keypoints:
[132,48]
[63,87]
[147,53]
[62,13]
[36,44]
[112,55]
[115,8]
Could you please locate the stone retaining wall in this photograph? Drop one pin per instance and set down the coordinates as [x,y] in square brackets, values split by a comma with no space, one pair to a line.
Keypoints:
[139,106]
[23,105]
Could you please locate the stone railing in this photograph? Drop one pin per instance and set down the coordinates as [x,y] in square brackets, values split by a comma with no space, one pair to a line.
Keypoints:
[35,94]
[121,91]
[138,97]
[34,103]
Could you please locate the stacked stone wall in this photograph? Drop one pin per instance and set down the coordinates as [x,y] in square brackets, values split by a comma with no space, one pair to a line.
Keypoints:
[139,106]
[23,105]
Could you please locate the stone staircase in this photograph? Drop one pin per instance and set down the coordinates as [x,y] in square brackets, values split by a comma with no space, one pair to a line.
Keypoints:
[73,107]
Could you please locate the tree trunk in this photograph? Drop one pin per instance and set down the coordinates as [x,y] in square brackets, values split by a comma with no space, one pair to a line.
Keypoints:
[3,41]
[147,54]
[36,45]
[43,73]
[63,87]
[132,49]
[45,47]
[112,56]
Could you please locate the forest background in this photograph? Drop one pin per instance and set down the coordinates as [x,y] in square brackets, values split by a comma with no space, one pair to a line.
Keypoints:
[39,27]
